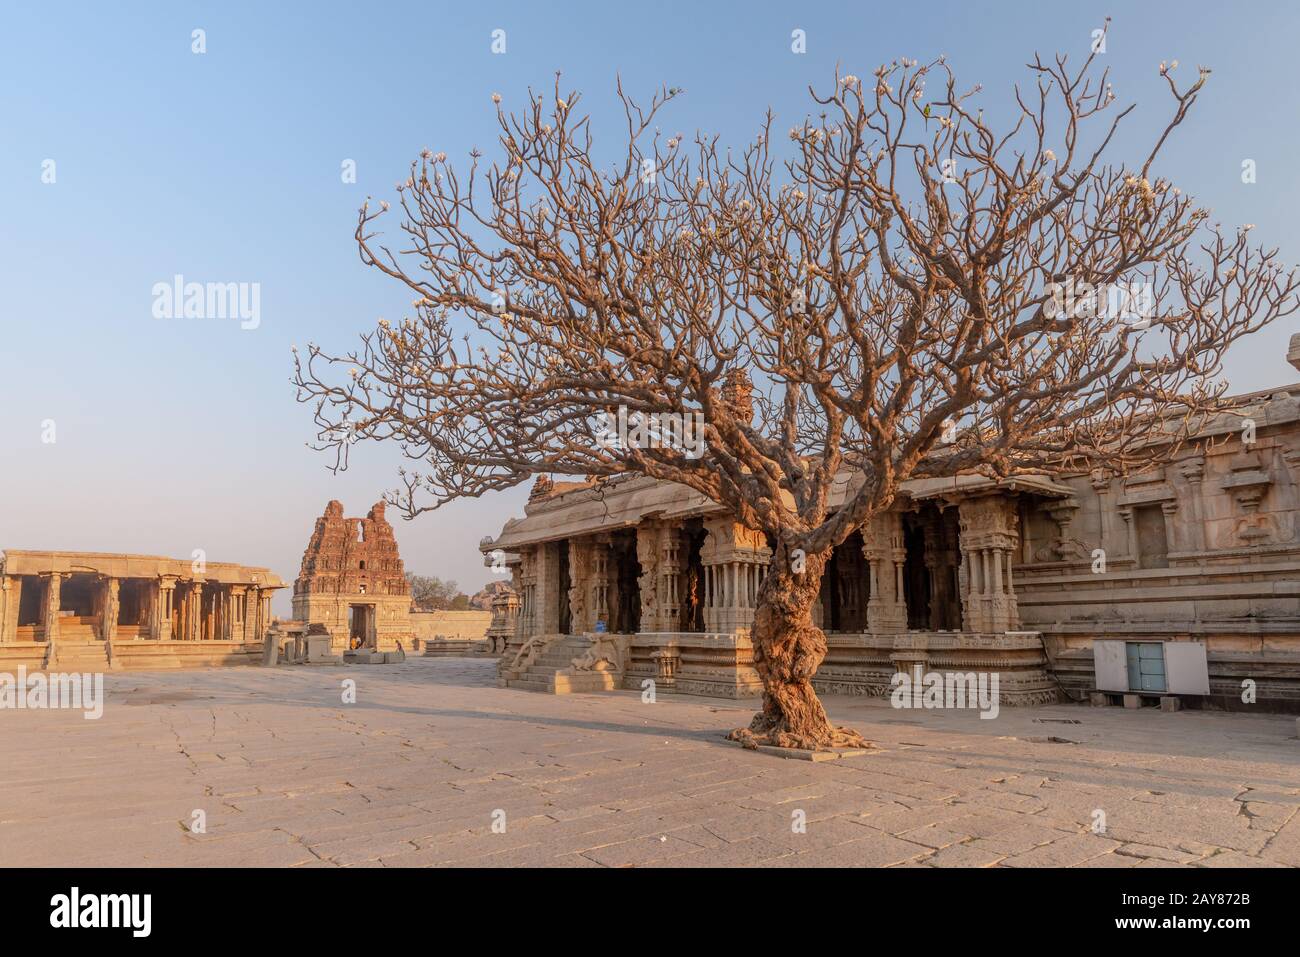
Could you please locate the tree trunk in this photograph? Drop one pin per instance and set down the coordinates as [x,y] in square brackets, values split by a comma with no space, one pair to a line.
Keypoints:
[788,649]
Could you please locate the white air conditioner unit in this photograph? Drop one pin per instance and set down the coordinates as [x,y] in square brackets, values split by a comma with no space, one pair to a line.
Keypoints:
[1151,667]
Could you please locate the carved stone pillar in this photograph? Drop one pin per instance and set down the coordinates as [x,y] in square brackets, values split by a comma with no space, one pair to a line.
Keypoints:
[1062,511]
[210,623]
[526,585]
[1193,472]
[1130,533]
[1175,539]
[11,591]
[599,603]
[160,628]
[108,609]
[650,584]
[671,592]
[1101,482]
[883,549]
[238,613]
[259,608]
[548,557]
[180,598]
[989,540]
[182,611]
[735,560]
[53,599]
[580,585]
[194,613]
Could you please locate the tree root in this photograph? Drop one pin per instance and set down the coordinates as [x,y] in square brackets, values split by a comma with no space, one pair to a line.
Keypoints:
[762,732]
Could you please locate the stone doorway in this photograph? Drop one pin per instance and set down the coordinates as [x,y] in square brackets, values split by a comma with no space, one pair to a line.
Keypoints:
[916,577]
[692,615]
[625,573]
[31,601]
[133,601]
[931,586]
[361,626]
[79,607]
[846,587]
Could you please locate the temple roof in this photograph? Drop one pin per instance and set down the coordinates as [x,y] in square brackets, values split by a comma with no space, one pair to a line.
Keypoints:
[624,501]
[557,510]
[118,565]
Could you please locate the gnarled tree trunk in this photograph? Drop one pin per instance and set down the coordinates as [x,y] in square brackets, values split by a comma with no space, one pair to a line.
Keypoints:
[788,649]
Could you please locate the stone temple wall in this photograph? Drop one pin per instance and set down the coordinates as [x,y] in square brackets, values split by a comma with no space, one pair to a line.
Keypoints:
[1205,549]
[467,625]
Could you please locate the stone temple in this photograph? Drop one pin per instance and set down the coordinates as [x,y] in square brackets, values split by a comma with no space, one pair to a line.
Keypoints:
[1180,582]
[352,583]
[91,611]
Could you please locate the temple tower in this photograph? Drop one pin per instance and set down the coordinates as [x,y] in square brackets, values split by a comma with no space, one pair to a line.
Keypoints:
[353,583]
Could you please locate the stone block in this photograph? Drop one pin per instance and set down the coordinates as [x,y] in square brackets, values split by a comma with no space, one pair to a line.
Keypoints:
[1171,703]
[318,647]
[1132,701]
[1097,699]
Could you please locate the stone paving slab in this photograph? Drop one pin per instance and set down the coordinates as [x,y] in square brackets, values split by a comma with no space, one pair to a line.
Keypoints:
[436,766]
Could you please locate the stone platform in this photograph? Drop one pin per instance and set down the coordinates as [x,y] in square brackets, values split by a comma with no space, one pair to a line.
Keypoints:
[432,753]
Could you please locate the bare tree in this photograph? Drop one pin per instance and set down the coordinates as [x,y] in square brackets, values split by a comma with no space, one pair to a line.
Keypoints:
[911,294]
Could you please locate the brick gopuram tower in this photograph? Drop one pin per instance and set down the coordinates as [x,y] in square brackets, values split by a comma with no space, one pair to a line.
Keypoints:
[352,582]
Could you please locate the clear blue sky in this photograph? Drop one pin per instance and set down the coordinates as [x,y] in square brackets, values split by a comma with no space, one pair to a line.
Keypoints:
[181,434]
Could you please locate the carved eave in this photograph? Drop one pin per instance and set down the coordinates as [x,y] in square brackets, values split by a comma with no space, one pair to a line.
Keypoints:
[1247,487]
[953,490]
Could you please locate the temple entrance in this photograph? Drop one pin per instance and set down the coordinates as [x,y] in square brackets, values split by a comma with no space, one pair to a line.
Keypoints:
[932,537]
[945,564]
[625,574]
[361,626]
[31,601]
[916,577]
[846,587]
[77,596]
[133,600]
[692,614]
[79,607]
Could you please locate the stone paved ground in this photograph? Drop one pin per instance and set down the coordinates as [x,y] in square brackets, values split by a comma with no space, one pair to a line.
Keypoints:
[412,774]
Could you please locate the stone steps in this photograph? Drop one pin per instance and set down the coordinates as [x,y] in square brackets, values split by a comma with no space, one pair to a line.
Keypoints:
[533,682]
[77,632]
[549,673]
[79,657]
